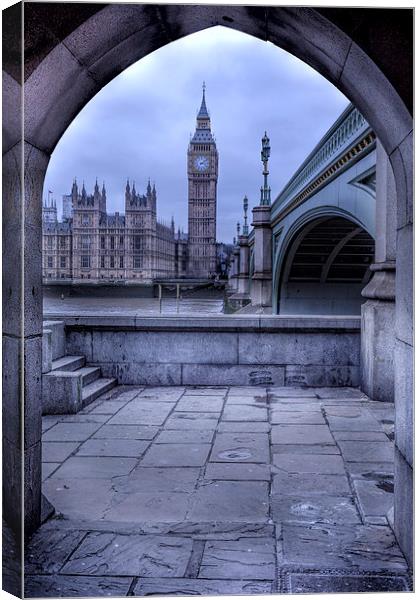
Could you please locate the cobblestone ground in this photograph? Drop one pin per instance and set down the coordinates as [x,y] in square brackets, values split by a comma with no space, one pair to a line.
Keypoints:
[211,490]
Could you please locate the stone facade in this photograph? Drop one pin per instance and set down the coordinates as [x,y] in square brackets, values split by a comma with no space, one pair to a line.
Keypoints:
[94,245]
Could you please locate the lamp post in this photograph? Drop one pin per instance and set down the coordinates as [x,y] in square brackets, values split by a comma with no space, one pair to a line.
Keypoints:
[265,155]
[245,227]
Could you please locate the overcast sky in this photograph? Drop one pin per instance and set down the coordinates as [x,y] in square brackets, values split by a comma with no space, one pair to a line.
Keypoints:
[138,126]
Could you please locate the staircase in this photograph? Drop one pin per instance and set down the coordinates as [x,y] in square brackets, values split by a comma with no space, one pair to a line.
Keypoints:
[68,383]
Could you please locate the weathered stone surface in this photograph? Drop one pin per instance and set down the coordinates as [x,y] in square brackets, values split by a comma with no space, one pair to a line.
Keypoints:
[362,422]
[331,583]
[239,390]
[200,404]
[309,463]
[370,470]
[241,447]
[375,498]
[57,451]
[177,436]
[244,413]
[79,498]
[108,407]
[65,586]
[150,479]
[314,509]
[201,421]
[304,449]
[301,434]
[286,405]
[149,507]
[142,413]
[200,587]
[293,484]
[251,400]
[89,467]
[363,547]
[340,393]
[207,390]
[243,426]
[238,472]
[292,392]
[239,559]
[136,555]
[360,436]
[231,501]
[297,418]
[367,451]
[176,455]
[47,553]
[104,447]
[70,432]
[127,432]
[48,468]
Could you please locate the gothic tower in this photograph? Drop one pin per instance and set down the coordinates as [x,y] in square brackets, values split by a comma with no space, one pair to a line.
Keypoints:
[202,192]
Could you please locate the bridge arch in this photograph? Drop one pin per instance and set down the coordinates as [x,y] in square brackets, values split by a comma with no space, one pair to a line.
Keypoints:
[325,265]
[312,215]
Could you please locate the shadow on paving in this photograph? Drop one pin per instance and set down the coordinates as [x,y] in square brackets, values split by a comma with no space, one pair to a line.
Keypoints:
[218,490]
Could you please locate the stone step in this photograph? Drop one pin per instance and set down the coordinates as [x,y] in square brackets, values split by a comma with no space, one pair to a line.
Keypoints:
[68,363]
[89,374]
[91,391]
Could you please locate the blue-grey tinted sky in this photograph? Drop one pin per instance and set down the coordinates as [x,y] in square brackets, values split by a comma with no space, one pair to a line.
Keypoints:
[138,126]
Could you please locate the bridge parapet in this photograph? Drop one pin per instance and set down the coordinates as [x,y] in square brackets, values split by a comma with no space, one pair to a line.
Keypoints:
[350,129]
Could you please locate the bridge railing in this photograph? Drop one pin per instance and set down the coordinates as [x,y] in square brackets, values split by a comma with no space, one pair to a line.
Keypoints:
[343,134]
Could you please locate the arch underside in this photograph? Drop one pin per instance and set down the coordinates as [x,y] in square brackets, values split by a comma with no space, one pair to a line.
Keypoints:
[326,268]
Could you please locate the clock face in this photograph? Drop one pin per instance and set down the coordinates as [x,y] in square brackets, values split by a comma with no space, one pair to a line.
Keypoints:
[201,163]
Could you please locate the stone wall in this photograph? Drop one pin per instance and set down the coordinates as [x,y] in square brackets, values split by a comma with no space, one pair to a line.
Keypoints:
[313,351]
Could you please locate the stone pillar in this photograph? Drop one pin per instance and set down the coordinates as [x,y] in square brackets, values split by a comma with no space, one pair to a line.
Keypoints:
[263,276]
[378,313]
[404,365]
[243,276]
[235,270]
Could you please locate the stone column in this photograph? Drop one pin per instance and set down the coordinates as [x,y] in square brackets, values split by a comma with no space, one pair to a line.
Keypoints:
[243,276]
[262,277]
[404,365]
[233,279]
[378,312]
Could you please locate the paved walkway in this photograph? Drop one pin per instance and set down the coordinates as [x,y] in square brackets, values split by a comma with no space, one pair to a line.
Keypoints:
[210,490]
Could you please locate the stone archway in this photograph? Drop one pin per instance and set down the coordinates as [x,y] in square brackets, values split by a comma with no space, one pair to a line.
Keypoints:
[72,51]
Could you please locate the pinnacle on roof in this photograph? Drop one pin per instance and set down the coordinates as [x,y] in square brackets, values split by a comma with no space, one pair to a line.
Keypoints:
[203,112]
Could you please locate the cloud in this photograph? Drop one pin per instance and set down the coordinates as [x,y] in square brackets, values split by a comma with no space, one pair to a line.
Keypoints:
[138,126]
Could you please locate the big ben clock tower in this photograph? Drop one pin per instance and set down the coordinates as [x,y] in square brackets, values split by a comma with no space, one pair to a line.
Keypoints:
[202,184]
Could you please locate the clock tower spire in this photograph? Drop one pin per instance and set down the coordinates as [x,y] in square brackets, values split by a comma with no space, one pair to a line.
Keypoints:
[202,167]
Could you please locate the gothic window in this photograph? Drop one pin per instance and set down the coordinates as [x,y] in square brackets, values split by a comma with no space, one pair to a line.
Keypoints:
[85,220]
[137,242]
[50,262]
[63,262]
[112,240]
[102,262]
[85,261]
[62,242]
[86,241]
[121,262]
[111,262]
[137,262]
[50,243]
[121,240]
[102,242]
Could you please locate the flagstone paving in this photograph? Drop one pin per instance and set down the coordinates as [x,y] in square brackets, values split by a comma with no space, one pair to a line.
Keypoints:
[217,491]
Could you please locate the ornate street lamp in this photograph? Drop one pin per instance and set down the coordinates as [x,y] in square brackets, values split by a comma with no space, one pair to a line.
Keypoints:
[245,227]
[265,155]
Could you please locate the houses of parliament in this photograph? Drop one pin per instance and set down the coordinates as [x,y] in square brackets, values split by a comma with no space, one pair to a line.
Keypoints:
[88,243]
